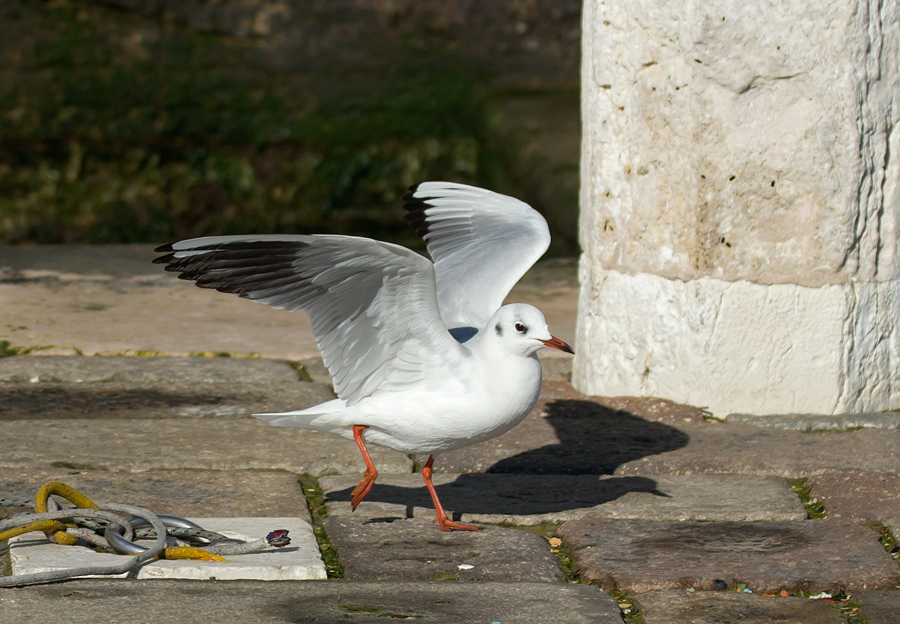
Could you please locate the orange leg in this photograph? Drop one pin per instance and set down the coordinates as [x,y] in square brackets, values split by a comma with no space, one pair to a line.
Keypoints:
[443,521]
[368,480]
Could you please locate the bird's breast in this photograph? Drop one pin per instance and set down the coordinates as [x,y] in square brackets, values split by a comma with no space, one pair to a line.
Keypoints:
[492,401]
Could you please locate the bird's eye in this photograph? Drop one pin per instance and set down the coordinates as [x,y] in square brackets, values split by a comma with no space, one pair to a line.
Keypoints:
[521,328]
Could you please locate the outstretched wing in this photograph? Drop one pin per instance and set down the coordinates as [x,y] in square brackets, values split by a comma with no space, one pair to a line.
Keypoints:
[481,243]
[372,305]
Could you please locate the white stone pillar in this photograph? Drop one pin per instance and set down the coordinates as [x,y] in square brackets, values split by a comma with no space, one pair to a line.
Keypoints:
[740,204]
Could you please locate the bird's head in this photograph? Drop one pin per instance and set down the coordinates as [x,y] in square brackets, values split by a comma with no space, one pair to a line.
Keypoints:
[521,328]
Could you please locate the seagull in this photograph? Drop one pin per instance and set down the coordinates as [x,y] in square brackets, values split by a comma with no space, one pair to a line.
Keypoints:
[424,356]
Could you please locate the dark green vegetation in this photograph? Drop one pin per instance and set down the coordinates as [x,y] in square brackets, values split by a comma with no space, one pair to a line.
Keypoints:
[122,126]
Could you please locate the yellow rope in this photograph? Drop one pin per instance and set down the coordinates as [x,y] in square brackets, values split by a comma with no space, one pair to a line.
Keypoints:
[70,494]
[186,552]
[58,529]
[40,525]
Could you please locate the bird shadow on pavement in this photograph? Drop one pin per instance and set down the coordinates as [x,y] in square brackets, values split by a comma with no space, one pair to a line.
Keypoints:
[589,440]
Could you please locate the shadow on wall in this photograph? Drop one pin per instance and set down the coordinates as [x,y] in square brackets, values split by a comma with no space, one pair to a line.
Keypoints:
[590,440]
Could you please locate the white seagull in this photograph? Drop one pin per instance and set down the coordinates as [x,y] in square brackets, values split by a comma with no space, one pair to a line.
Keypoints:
[423,355]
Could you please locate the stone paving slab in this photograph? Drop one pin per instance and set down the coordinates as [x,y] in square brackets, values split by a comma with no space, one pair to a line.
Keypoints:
[299,560]
[303,602]
[528,500]
[715,447]
[415,549]
[568,436]
[869,496]
[208,493]
[568,433]
[681,607]
[820,422]
[150,387]
[816,555]
[139,445]
[879,607]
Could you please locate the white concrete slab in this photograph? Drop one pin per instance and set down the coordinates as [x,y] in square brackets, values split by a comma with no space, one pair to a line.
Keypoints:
[298,561]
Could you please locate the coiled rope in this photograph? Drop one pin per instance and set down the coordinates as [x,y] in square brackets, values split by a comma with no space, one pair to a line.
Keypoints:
[98,526]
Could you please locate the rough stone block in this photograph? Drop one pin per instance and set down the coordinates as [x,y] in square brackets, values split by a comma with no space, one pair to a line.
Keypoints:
[529,500]
[640,556]
[412,549]
[739,346]
[681,607]
[868,496]
[323,602]
[300,560]
[740,208]
[183,493]
[140,445]
[741,142]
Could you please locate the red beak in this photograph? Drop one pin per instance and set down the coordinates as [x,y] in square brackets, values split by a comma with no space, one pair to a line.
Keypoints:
[556,343]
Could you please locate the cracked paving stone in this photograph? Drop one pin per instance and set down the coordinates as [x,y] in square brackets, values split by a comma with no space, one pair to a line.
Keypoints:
[681,607]
[415,549]
[528,500]
[815,555]
[869,496]
[183,493]
[79,387]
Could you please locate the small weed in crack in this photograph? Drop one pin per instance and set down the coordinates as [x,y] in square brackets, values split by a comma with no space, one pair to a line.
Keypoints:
[814,509]
[315,500]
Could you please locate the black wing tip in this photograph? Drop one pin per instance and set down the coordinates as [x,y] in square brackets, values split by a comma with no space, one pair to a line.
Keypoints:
[415,208]
[165,248]
[412,191]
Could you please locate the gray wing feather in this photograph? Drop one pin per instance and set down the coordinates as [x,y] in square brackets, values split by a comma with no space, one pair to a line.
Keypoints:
[481,242]
[372,305]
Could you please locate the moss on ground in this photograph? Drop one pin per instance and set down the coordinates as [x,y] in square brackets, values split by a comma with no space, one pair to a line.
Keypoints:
[315,499]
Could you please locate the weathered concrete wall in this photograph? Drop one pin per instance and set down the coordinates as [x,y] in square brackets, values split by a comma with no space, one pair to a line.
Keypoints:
[740,206]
